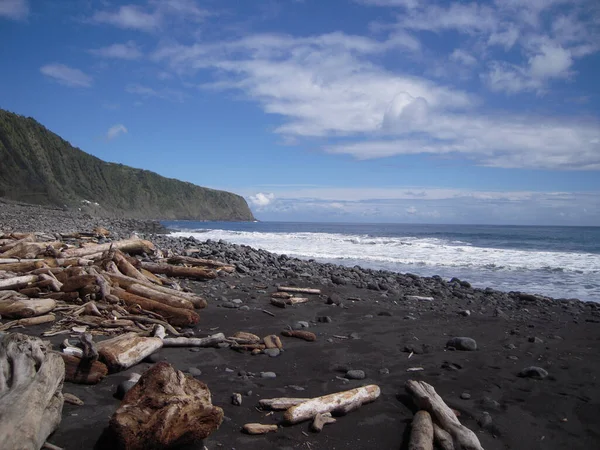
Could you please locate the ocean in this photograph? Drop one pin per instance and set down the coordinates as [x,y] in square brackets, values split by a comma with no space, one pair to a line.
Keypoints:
[560,262]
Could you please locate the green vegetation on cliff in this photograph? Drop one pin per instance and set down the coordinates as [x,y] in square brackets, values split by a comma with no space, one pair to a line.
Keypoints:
[38,166]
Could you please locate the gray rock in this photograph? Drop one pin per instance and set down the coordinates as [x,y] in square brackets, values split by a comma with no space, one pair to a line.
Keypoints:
[534,372]
[334,299]
[324,319]
[465,313]
[272,352]
[356,374]
[268,375]
[236,399]
[462,343]
[384,371]
[465,396]
[300,324]
[535,340]
[510,346]
[354,335]
[237,301]
[195,372]
[244,308]
[485,420]
[230,305]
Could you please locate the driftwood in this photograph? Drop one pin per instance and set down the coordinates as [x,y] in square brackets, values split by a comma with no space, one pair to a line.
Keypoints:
[17,282]
[298,290]
[201,262]
[25,266]
[175,316]
[272,341]
[194,342]
[153,294]
[242,337]
[306,335]
[180,271]
[39,320]
[283,295]
[31,398]
[320,421]
[72,399]
[80,371]
[331,403]
[258,428]
[281,403]
[443,439]
[126,268]
[426,398]
[421,432]
[29,250]
[127,245]
[126,350]
[77,282]
[164,408]
[15,305]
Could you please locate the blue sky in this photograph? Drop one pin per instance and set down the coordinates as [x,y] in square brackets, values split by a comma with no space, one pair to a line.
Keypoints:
[358,110]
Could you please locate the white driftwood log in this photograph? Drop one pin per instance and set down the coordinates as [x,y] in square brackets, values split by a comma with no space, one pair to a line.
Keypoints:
[320,421]
[442,438]
[280,403]
[31,399]
[17,282]
[421,432]
[259,428]
[126,245]
[126,350]
[298,290]
[331,403]
[194,342]
[15,305]
[426,398]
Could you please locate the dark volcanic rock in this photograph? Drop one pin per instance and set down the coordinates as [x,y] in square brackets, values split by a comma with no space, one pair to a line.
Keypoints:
[462,343]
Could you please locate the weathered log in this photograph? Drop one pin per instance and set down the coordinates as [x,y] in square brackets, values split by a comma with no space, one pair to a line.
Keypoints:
[48,280]
[14,241]
[31,291]
[31,398]
[306,335]
[126,350]
[90,351]
[151,277]
[126,268]
[75,283]
[331,403]
[167,299]
[194,342]
[258,428]
[242,337]
[165,408]
[24,266]
[272,341]
[80,371]
[66,262]
[180,271]
[201,262]
[443,439]
[64,296]
[281,403]
[17,260]
[298,290]
[103,283]
[151,320]
[17,282]
[320,421]
[426,398]
[175,316]
[29,250]
[126,245]
[297,300]
[283,295]
[18,306]
[30,321]
[421,432]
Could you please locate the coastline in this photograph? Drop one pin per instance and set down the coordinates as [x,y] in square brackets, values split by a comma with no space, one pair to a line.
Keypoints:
[381,325]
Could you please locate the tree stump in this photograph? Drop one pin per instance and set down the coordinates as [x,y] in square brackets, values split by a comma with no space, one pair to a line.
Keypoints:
[31,398]
[164,409]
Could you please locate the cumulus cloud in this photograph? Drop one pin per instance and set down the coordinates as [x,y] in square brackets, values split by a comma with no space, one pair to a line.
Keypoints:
[128,16]
[115,131]
[66,75]
[128,51]
[261,199]
[14,9]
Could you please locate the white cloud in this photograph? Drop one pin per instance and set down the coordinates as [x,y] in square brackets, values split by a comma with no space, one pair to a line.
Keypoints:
[129,16]
[66,75]
[129,51]
[551,62]
[172,95]
[115,131]
[261,199]
[14,9]
[463,57]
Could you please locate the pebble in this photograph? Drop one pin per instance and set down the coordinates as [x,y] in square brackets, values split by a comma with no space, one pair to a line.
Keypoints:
[462,343]
[229,305]
[334,299]
[490,403]
[384,371]
[485,420]
[356,374]
[272,352]
[244,308]
[236,399]
[534,372]
[385,314]
[465,396]
[510,346]
[268,375]
[354,335]
[300,324]
[535,340]
[324,319]
[465,313]
[237,301]
[195,372]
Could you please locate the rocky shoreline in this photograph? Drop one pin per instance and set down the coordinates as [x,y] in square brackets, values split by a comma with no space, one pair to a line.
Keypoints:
[521,370]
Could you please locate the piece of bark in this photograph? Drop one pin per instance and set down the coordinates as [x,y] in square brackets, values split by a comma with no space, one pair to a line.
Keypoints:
[30,321]
[306,335]
[24,266]
[426,398]
[443,439]
[175,316]
[421,432]
[281,403]
[127,245]
[201,262]
[328,403]
[298,290]
[18,306]
[320,421]
[272,341]
[17,282]
[259,428]
[126,350]
[31,398]
[165,408]
[72,399]
[83,372]
[194,342]
[180,271]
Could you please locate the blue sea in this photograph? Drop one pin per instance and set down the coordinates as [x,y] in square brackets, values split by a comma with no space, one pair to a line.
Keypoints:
[560,262]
